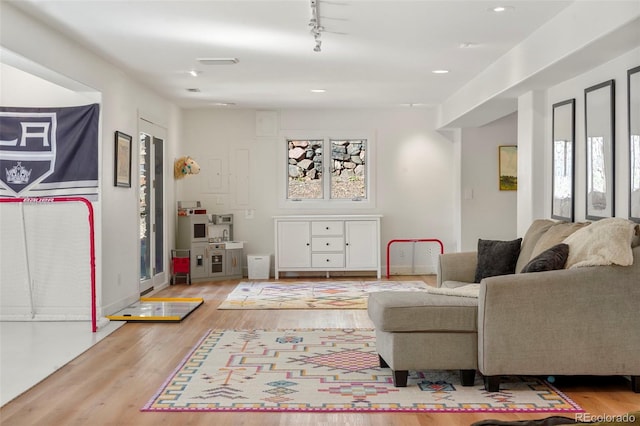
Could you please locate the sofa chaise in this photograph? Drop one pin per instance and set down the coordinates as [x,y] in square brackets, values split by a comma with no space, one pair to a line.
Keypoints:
[580,320]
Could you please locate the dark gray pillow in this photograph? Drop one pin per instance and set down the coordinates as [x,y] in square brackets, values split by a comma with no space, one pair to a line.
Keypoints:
[549,260]
[497,258]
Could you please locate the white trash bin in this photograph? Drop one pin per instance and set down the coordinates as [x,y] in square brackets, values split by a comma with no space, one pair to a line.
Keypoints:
[259,266]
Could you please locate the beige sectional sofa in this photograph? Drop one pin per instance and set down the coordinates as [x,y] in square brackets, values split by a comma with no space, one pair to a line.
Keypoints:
[576,321]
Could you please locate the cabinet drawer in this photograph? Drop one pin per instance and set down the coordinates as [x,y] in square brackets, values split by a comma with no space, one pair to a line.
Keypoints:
[327,244]
[327,260]
[332,227]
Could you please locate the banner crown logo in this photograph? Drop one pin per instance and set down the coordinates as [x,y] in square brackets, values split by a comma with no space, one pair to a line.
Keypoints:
[18,174]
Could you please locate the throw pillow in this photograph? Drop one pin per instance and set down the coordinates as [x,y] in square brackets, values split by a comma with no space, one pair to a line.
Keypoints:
[605,242]
[496,258]
[555,235]
[549,260]
[538,228]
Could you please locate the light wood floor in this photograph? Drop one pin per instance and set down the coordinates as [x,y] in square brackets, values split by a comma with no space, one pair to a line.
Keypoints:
[108,384]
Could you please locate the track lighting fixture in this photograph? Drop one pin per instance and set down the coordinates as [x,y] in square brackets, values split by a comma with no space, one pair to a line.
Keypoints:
[314,23]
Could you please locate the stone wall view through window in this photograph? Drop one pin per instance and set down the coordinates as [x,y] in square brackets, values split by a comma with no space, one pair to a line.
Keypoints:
[347,166]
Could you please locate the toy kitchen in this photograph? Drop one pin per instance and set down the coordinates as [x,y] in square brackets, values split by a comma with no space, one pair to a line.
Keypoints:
[209,238]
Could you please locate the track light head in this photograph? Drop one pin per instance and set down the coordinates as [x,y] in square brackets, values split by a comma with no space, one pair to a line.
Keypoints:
[314,23]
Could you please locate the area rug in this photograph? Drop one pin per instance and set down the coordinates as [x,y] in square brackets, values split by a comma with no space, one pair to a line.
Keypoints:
[311,294]
[323,370]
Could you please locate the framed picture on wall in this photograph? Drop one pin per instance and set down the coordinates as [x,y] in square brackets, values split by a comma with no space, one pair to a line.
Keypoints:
[508,167]
[633,109]
[122,160]
[599,118]
[563,160]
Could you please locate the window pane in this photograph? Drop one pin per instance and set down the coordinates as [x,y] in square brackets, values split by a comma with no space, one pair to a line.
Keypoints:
[348,169]
[597,165]
[145,206]
[305,169]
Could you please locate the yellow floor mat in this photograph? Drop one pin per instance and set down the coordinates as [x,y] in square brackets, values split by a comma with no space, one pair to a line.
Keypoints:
[150,309]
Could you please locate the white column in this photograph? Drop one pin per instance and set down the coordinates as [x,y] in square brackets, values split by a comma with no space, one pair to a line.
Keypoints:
[532,173]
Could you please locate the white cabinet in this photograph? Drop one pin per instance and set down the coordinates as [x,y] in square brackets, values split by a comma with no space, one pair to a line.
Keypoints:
[327,243]
[362,244]
[294,247]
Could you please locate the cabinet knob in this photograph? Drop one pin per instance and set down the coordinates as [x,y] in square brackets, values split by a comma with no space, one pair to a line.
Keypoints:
[327,244]
[328,260]
[327,228]
[308,244]
[347,243]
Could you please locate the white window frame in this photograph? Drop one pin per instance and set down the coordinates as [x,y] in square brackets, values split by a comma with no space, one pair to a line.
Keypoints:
[327,202]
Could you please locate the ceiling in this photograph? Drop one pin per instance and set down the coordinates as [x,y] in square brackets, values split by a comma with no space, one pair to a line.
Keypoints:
[374,53]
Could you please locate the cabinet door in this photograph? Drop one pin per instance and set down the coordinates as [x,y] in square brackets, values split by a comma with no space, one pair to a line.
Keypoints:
[199,261]
[294,244]
[234,262]
[362,244]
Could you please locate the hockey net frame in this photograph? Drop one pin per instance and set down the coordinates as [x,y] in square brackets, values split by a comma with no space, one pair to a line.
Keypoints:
[91,237]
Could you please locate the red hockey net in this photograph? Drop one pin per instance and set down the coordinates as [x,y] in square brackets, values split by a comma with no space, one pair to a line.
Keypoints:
[47,260]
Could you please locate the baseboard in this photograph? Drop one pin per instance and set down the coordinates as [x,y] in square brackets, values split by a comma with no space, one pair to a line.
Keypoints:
[117,306]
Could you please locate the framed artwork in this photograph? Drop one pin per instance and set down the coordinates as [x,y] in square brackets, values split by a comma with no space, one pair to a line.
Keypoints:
[122,160]
[563,160]
[633,109]
[599,118]
[508,167]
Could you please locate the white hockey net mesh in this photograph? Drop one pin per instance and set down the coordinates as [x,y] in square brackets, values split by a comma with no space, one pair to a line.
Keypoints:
[46,265]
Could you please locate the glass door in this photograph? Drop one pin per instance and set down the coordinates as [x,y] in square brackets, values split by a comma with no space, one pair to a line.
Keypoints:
[152,221]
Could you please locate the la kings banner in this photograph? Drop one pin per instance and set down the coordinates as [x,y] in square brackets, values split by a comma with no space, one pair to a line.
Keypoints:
[49,152]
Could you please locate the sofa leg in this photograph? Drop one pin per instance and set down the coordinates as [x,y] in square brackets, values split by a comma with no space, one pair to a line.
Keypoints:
[492,383]
[467,377]
[635,384]
[400,378]
[383,363]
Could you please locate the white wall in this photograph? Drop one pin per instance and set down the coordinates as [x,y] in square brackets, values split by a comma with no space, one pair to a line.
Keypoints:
[122,101]
[415,180]
[574,88]
[487,212]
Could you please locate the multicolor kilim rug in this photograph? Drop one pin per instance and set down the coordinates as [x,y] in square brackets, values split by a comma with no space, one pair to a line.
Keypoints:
[323,370]
[311,294]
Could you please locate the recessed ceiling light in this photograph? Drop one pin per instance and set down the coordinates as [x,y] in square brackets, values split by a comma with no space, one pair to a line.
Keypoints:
[501,9]
[218,61]
[193,90]
[468,45]
[440,71]
[318,90]
[195,73]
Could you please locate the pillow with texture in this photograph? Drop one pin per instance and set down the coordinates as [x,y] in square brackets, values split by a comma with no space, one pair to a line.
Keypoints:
[556,235]
[605,242]
[549,260]
[497,258]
